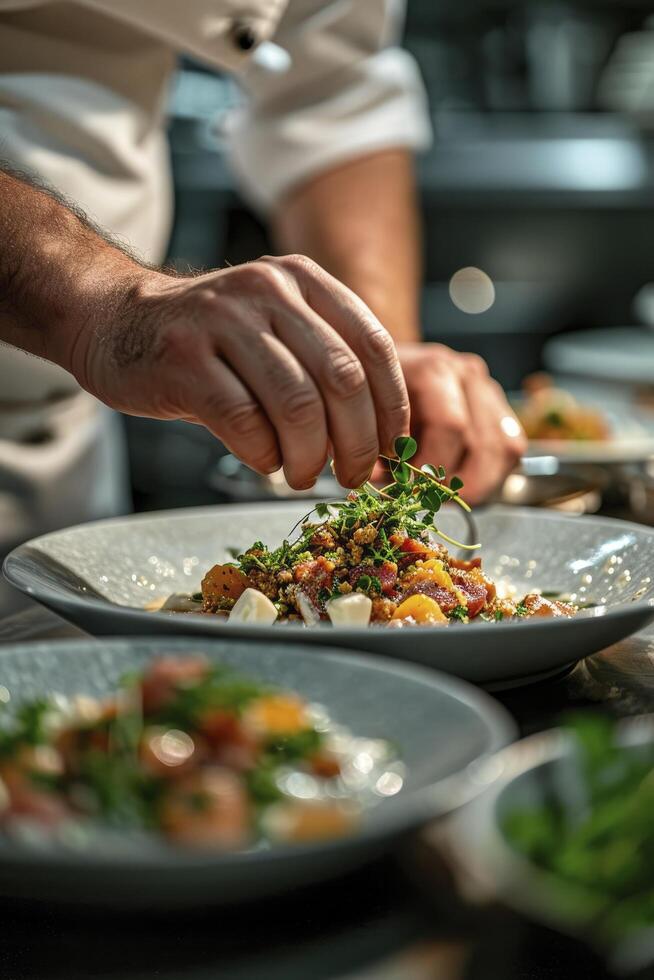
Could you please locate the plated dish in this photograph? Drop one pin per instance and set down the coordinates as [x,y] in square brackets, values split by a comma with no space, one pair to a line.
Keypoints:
[581,421]
[370,559]
[104,575]
[550,413]
[103,803]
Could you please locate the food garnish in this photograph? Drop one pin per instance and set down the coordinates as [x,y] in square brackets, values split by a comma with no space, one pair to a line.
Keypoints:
[598,837]
[373,557]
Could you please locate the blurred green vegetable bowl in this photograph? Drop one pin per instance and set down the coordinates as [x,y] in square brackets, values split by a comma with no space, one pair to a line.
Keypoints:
[564,833]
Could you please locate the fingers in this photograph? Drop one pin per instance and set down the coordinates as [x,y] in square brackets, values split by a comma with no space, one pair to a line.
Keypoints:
[287,394]
[495,447]
[341,381]
[440,418]
[365,336]
[223,404]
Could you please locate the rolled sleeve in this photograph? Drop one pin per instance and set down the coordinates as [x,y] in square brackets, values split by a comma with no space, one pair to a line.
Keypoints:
[348,92]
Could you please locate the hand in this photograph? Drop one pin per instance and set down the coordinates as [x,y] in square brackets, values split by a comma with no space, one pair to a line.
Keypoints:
[460,417]
[275,357]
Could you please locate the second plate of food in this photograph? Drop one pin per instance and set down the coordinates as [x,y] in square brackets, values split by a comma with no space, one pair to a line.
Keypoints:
[498,625]
[159,773]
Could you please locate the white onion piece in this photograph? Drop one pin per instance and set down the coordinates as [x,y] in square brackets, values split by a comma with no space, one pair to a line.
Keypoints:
[353,609]
[253,606]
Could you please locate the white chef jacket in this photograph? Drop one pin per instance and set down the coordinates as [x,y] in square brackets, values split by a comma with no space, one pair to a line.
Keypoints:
[83,92]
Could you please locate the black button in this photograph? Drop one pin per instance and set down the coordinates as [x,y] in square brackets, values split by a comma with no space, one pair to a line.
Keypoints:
[243,36]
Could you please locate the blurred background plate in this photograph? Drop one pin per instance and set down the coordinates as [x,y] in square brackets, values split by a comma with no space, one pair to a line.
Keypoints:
[103,575]
[439,725]
[629,417]
[624,354]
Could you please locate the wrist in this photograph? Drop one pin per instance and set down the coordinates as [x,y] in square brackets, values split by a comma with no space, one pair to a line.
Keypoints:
[99,298]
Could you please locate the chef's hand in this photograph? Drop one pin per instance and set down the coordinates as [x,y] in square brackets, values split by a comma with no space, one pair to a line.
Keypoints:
[460,417]
[275,357]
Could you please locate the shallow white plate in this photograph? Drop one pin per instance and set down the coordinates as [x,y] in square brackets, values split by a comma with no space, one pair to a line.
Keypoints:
[103,575]
[439,725]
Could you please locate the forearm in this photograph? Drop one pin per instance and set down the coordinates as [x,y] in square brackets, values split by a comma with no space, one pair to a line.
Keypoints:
[56,272]
[360,222]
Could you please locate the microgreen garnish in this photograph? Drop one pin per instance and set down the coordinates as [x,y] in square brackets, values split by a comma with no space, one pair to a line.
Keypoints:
[408,505]
[368,583]
[521,609]
[459,612]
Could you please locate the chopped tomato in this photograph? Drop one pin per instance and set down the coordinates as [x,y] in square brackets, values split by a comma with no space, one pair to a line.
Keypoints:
[230,742]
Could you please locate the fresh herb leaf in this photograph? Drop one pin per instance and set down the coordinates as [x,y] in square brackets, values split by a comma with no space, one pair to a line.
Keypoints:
[405,448]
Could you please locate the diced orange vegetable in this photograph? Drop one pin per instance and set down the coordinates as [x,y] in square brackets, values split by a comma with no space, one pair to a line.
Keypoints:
[310,820]
[421,608]
[277,714]
[224,582]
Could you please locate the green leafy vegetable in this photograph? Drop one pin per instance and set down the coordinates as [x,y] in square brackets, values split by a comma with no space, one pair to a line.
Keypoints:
[600,842]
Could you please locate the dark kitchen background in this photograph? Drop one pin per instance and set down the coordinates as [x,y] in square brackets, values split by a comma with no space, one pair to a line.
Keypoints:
[541,173]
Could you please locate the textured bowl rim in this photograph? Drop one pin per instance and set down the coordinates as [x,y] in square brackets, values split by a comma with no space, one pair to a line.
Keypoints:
[23,580]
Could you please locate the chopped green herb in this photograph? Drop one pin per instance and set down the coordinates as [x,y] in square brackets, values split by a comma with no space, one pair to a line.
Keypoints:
[554,419]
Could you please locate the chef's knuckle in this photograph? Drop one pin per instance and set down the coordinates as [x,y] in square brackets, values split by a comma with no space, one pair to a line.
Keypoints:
[298,263]
[345,375]
[300,407]
[266,459]
[379,346]
[475,365]
[242,418]
[267,277]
